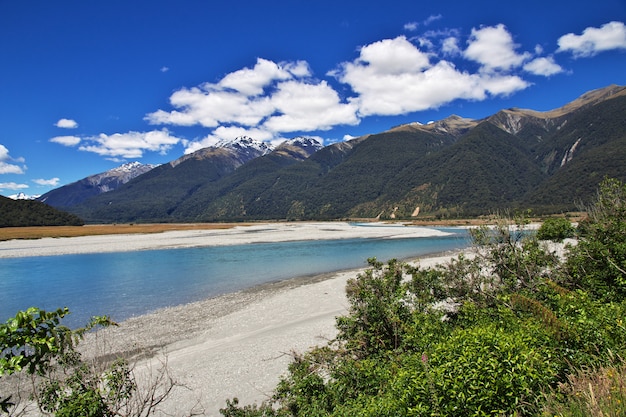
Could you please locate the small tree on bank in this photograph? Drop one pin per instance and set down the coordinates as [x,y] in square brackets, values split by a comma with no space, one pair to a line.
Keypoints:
[64,383]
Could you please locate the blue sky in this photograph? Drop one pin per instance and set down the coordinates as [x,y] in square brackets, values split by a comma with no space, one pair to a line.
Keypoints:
[88,85]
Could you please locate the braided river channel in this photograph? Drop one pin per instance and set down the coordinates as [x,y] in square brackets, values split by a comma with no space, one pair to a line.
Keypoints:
[127,284]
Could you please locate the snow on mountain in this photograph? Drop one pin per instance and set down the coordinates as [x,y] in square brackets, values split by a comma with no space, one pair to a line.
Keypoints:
[309,144]
[76,192]
[246,144]
[22,196]
[113,178]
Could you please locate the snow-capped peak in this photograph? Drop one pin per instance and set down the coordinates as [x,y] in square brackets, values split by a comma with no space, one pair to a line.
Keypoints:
[132,166]
[22,196]
[246,143]
[309,144]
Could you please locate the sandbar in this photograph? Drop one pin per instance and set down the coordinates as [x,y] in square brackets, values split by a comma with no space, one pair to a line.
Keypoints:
[238,235]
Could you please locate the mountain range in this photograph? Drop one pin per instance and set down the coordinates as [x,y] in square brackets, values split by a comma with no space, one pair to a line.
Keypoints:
[515,159]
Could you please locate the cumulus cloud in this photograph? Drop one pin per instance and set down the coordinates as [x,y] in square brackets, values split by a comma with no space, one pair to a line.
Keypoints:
[394,77]
[7,168]
[270,97]
[209,106]
[8,164]
[450,46]
[125,145]
[494,49]
[66,124]
[130,144]
[51,182]
[592,41]
[544,66]
[388,77]
[236,98]
[66,140]
[252,81]
[12,186]
[4,153]
[308,107]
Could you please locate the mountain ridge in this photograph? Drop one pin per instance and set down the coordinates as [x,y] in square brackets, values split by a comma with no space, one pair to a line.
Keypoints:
[455,166]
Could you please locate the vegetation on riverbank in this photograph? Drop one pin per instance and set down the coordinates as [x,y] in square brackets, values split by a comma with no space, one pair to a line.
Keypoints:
[514,331]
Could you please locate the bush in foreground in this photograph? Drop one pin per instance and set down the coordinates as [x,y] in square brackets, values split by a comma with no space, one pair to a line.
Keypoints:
[504,333]
[556,229]
[64,383]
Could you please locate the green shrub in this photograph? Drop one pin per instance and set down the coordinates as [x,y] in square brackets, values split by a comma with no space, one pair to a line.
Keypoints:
[556,229]
[598,262]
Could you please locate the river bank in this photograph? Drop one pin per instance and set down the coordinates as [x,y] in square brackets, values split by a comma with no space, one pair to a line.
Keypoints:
[236,235]
[237,344]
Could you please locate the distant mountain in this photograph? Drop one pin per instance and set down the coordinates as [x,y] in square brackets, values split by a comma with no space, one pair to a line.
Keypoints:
[156,195]
[515,159]
[23,196]
[19,213]
[76,192]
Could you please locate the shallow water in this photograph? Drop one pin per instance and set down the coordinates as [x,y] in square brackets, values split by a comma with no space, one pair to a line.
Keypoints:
[126,284]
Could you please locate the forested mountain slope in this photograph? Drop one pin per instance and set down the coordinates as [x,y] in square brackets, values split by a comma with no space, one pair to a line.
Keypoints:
[517,158]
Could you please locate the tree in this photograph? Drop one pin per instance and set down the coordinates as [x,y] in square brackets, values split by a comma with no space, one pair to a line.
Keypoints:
[30,341]
[556,229]
[66,384]
[598,263]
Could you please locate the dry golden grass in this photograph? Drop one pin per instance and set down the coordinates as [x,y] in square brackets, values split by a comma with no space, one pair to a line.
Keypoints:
[8,233]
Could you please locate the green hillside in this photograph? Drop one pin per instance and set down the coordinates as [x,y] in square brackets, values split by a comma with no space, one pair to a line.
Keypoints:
[19,213]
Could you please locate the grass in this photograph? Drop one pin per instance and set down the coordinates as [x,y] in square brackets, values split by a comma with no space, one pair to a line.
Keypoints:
[37,232]
[592,393]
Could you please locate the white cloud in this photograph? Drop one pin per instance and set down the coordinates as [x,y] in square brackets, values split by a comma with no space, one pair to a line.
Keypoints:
[164,69]
[4,153]
[411,26]
[493,48]
[210,106]
[545,66]
[308,107]
[236,99]
[7,168]
[130,144]
[392,56]
[431,19]
[393,77]
[592,41]
[12,186]
[388,77]
[252,82]
[270,97]
[124,145]
[502,85]
[51,182]
[7,163]
[450,46]
[66,124]
[66,140]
